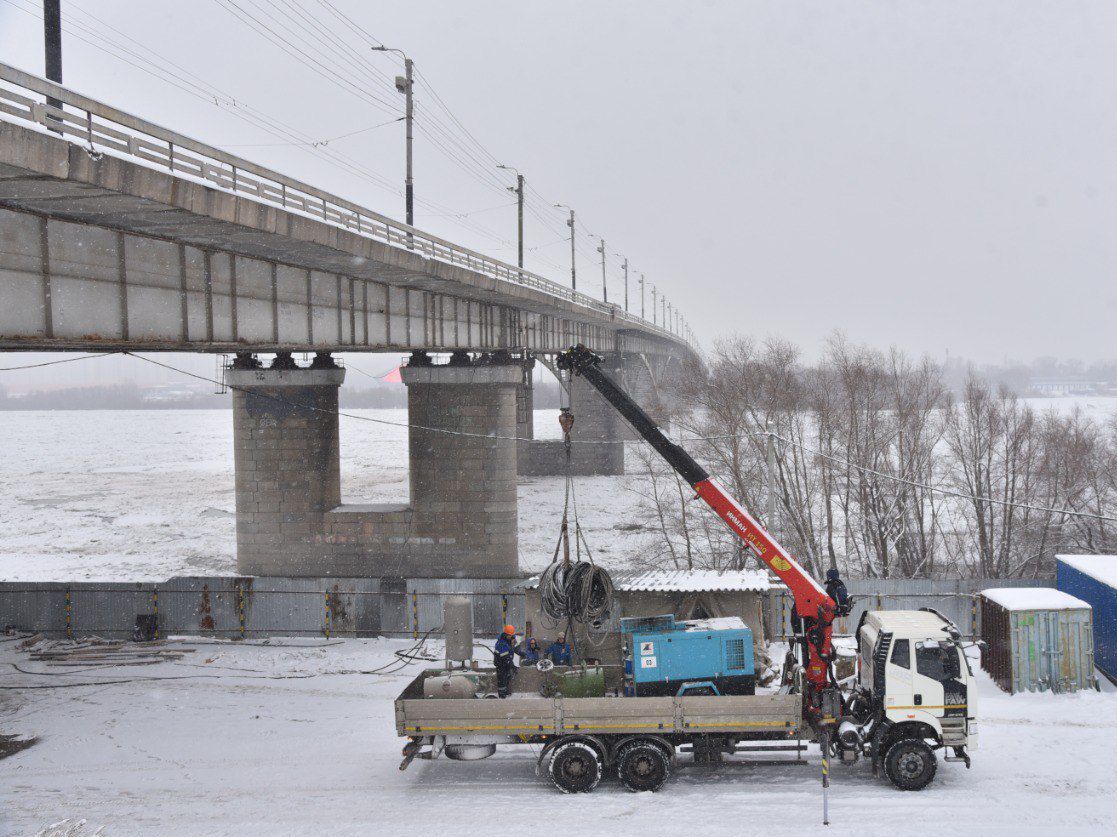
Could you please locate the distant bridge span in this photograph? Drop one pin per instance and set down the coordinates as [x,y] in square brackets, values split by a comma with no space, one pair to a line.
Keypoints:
[126,235]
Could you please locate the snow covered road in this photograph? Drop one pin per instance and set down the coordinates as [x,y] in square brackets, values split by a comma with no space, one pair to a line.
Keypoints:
[283,741]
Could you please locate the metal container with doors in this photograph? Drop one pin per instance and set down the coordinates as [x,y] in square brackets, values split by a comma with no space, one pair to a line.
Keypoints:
[1093,578]
[1038,639]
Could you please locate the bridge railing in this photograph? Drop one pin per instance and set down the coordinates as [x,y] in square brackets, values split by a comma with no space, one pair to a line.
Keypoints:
[104,128]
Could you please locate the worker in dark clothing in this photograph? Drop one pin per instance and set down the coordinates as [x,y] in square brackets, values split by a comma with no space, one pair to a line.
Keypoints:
[529,652]
[836,590]
[558,652]
[504,658]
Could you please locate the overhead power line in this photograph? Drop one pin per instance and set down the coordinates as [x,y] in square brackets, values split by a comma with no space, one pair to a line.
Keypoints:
[312,143]
[56,362]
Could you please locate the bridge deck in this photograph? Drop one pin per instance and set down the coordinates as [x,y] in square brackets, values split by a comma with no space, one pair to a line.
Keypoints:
[108,250]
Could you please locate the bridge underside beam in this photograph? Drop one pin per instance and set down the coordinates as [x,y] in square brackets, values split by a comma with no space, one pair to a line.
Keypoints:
[107,253]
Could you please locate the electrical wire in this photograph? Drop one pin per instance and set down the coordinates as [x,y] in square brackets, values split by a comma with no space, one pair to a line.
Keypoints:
[387,422]
[312,143]
[56,362]
[404,658]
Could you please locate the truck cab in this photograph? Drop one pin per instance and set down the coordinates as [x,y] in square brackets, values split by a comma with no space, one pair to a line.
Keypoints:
[914,694]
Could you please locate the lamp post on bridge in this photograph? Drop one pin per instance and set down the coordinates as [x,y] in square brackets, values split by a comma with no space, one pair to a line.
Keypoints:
[641,296]
[604,283]
[52,50]
[625,268]
[405,84]
[654,321]
[519,190]
[570,223]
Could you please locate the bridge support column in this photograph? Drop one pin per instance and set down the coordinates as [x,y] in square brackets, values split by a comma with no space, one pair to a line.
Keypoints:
[639,383]
[285,441]
[463,470]
[525,416]
[599,430]
[598,437]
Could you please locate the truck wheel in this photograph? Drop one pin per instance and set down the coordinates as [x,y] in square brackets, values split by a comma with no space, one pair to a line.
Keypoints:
[642,766]
[575,768]
[910,764]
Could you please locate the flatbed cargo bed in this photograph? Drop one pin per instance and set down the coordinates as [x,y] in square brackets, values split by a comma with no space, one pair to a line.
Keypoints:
[764,716]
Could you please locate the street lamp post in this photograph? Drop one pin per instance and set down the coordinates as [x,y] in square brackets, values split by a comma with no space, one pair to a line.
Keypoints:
[519,190]
[654,320]
[625,266]
[641,296]
[405,84]
[52,49]
[573,270]
[604,283]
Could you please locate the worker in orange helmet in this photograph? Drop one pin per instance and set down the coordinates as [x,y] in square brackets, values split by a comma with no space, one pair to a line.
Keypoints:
[504,654]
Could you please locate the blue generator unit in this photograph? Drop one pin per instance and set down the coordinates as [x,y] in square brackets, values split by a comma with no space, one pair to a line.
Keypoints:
[699,657]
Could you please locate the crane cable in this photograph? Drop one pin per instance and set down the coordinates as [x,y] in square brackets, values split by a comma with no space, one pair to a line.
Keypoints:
[579,592]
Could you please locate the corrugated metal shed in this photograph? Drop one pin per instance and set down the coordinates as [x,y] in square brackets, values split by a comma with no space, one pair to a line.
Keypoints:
[684,581]
[1038,639]
[1093,578]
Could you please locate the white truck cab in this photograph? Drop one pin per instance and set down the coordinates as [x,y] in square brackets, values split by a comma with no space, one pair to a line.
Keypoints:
[914,694]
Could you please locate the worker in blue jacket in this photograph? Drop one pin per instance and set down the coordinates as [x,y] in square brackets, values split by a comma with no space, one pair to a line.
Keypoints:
[529,652]
[836,590]
[504,659]
[558,652]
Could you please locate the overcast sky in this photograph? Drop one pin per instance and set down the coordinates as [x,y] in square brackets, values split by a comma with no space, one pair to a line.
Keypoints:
[936,176]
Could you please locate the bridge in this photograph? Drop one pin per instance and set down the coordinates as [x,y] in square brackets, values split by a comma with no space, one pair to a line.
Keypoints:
[118,234]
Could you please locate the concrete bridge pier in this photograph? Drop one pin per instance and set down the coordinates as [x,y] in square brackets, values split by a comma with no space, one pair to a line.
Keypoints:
[463,468]
[460,519]
[598,437]
[637,379]
[525,415]
[287,459]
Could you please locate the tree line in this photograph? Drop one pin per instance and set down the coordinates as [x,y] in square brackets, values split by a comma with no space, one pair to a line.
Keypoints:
[879,469]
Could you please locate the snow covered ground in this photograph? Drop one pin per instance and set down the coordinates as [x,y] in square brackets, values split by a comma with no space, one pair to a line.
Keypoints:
[292,740]
[148,494]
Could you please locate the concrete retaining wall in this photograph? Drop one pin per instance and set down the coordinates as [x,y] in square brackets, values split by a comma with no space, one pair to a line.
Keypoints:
[255,607]
[259,607]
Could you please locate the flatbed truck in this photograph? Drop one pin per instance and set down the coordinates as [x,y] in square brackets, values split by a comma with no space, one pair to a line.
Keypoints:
[911,696]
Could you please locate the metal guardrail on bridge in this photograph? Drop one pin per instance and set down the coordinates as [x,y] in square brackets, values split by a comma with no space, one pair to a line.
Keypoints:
[105,128]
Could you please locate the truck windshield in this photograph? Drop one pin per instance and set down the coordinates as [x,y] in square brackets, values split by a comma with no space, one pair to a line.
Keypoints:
[937,660]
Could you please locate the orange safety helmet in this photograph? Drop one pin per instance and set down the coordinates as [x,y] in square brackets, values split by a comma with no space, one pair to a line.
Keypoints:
[510,630]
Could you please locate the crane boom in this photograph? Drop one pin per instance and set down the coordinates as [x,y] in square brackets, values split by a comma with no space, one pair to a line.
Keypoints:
[813,606]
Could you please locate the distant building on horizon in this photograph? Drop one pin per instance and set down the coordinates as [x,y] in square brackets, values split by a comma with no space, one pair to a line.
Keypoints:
[1069,386]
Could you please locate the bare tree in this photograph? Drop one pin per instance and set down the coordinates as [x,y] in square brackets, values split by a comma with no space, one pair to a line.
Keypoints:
[877,472]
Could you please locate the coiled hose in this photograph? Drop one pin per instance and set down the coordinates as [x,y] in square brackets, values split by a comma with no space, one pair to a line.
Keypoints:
[581,592]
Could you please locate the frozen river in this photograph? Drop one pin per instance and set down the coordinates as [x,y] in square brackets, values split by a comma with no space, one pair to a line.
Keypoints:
[148,494]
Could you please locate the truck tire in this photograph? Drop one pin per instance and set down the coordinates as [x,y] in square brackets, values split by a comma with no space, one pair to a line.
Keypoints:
[910,764]
[575,767]
[643,766]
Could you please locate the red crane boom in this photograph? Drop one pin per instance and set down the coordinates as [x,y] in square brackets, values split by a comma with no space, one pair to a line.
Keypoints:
[813,607]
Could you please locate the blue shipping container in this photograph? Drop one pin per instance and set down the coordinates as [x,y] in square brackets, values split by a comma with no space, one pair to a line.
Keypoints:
[1093,578]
